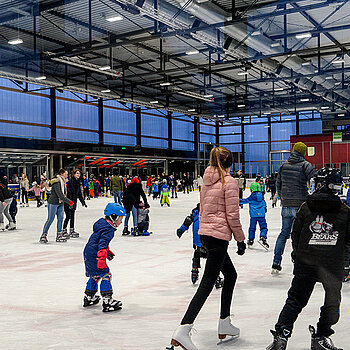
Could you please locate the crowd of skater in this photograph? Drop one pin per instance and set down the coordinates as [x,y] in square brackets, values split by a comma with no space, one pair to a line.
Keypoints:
[319,225]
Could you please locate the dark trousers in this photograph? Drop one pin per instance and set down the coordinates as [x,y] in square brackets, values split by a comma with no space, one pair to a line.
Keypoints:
[38,201]
[24,195]
[70,217]
[298,297]
[196,260]
[217,260]
[273,191]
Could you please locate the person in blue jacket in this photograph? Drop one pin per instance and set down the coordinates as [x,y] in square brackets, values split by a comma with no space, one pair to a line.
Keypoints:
[96,253]
[257,210]
[199,251]
[155,190]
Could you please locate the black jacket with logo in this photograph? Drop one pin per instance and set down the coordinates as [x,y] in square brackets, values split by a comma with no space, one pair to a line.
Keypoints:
[321,238]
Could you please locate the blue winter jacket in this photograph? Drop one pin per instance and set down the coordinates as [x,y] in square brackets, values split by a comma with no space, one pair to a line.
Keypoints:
[257,204]
[102,235]
[86,183]
[195,228]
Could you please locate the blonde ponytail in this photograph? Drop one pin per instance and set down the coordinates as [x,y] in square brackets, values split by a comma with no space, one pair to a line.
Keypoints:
[221,158]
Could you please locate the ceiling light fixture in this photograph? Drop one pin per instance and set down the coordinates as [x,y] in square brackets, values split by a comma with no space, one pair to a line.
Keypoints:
[191,110]
[153,102]
[338,61]
[106,91]
[165,84]
[208,96]
[308,63]
[278,89]
[15,41]
[194,52]
[105,68]
[303,35]
[341,115]
[221,116]
[242,73]
[241,106]
[304,100]
[114,18]
[256,32]
[329,78]
[42,77]
[324,107]
[276,44]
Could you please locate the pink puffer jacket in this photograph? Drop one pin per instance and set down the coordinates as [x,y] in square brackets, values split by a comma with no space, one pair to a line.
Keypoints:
[219,207]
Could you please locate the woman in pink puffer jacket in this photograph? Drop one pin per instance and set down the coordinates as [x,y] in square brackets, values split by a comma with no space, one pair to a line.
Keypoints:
[218,222]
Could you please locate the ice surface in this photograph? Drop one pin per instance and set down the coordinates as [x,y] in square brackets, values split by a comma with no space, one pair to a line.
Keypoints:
[42,288]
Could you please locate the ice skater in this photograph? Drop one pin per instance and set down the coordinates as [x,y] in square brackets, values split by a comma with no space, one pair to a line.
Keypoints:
[143,220]
[321,243]
[164,194]
[257,210]
[37,192]
[96,253]
[6,199]
[217,224]
[199,251]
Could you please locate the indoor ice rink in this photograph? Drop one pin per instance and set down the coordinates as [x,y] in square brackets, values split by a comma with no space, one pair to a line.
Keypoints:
[123,115]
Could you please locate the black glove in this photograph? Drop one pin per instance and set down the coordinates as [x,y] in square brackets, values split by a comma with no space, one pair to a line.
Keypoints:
[241,248]
[292,256]
[265,209]
[179,232]
[110,255]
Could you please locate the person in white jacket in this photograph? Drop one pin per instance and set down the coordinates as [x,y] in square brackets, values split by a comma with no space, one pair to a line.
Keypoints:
[199,182]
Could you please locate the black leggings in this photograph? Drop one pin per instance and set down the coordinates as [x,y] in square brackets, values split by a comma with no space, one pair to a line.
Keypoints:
[70,216]
[299,295]
[218,260]
[24,195]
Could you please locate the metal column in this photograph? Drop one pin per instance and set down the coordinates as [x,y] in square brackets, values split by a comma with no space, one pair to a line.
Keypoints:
[100,121]
[170,131]
[243,146]
[53,113]
[138,126]
[269,143]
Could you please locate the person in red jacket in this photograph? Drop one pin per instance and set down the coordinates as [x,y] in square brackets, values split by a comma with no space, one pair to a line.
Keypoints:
[218,222]
[149,184]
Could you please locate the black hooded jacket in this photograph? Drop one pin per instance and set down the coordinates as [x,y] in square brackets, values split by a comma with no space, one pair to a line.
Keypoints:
[4,192]
[74,192]
[321,238]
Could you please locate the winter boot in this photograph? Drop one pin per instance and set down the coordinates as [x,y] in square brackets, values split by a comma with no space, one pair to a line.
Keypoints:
[321,343]
[2,226]
[125,231]
[226,328]
[73,234]
[263,242]
[11,226]
[90,300]
[65,233]
[276,269]
[250,242]
[194,275]
[219,283]
[279,341]
[43,238]
[182,337]
[109,304]
[60,238]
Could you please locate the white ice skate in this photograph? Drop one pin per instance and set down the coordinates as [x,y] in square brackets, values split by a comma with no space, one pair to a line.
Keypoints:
[182,337]
[12,226]
[2,226]
[262,241]
[226,329]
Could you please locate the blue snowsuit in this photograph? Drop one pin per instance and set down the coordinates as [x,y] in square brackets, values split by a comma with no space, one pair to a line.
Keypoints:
[348,198]
[103,233]
[257,209]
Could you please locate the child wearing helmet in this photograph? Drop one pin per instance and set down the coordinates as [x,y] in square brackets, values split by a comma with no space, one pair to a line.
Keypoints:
[257,210]
[321,242]
[164,194]
[96,253]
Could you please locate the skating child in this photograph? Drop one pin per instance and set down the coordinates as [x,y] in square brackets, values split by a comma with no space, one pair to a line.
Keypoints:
[257,210]
[321,241]
[96,188]
[13,210]
[91,188]
[164,194]
[155,190]
[143,220]
[96,253]
[199,251]
[37,192]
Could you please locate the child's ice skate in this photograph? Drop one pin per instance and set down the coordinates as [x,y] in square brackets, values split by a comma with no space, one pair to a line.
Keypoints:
[125,231]
[90,300]
[65,233]
[109,304]
[279,342]
[321,343]
[219,283]
[250,242]
[182,337]
[60,238]
[43,238]
[262,241]
[276,269]
[11,226]
[146,233]
[226,329]
[73,234]
[194,275]
[2,226]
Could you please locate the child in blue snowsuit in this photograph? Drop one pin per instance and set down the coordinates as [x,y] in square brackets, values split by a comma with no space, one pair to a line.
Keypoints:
[199,251]
[155,190]
[164,194]
[96,253]
[257,210]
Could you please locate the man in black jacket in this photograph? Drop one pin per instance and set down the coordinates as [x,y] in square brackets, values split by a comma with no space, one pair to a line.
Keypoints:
[292,179]
[321,242]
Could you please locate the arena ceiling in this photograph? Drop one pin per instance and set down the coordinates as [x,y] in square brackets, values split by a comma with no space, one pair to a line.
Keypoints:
[221,59]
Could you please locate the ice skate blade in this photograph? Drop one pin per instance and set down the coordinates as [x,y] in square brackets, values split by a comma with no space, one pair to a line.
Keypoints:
[175,343]
[224,340]
[112,309]
[267,249]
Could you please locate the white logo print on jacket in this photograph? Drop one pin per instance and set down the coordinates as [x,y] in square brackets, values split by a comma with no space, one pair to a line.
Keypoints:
[322,232]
